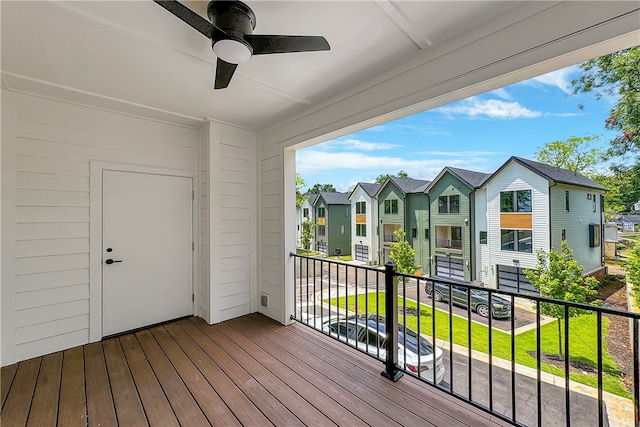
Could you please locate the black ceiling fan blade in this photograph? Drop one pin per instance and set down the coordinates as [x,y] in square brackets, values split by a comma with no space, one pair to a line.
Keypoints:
[224,72]
[189,16]
[265,44]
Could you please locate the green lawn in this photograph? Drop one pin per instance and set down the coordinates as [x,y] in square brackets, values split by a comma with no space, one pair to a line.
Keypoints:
[582,339]
[306,252]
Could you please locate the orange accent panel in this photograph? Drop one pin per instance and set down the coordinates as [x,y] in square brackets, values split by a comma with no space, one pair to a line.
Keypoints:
[361,218]
[519,221]
[321,221]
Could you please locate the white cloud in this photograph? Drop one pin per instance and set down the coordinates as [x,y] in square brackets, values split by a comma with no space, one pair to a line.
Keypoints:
[355,144]
[559,78]
[501,93]
[491,108]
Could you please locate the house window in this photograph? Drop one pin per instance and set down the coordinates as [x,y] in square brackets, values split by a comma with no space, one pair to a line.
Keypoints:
[564,234]
[414,233]
[515,201]
[516,240]
[305,212]
[566,201]
[346,212]
[593,203]
[321,230]
[342,229]
[449,204]
[426,234]
[361,230]
[456,236]
[483,237]
[321,212]
[361,207]
[391,206]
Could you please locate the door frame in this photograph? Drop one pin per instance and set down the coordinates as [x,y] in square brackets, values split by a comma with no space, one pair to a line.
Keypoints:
[95,233]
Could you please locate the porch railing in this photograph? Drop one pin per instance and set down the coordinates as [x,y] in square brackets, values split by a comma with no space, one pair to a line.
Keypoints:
[390,238]
[496,364]
[449,244]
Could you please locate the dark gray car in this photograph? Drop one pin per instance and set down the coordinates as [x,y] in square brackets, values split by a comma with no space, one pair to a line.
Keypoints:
[500,307]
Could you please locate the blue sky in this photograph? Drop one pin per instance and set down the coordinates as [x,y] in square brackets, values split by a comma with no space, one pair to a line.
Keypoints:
[478,133]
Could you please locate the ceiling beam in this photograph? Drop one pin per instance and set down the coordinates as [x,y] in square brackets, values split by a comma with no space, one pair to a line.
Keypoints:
[392,12]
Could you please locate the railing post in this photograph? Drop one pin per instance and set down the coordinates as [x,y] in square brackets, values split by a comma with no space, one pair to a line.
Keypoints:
[392,371]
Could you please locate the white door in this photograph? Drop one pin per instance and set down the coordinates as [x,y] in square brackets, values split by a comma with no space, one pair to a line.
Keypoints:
[147,253]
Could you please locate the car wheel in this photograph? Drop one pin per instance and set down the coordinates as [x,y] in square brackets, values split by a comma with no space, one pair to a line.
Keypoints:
[482,310]
[437,296]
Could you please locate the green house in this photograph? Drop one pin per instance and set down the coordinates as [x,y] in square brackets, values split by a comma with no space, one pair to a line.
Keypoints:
[333,223]
[451,199]
[402,204]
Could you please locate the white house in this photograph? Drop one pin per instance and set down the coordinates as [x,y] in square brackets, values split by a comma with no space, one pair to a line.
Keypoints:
[304,212]
[532,206]
[364,224]
[132,192]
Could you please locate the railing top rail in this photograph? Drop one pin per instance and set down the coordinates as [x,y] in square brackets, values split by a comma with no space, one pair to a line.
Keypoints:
[379,268]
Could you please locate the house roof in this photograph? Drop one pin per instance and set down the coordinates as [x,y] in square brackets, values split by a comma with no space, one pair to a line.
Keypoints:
[471,178]
[635,219]
[312,198]
[406,185]
[551,173]
[369,187]
[334,198]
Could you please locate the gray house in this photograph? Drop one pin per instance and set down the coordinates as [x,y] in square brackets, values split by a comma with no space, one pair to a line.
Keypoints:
[333,223]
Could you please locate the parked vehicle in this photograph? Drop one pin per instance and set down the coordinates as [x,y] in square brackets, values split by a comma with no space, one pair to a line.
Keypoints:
[500,307]
[368,334]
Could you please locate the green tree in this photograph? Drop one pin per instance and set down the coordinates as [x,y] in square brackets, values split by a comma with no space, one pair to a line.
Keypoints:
[575,154]
[623,183]
[300,196]
[558,275]
[632,267]
[616,76]
[382,178]
[327,188]
[308,226]
[403,254]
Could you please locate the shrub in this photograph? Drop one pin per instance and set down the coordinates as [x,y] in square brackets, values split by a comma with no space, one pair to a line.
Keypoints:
[632,266]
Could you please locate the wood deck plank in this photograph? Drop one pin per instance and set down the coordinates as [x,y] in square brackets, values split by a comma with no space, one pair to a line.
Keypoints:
[184,406]
[280,389]
[6,379]
[438,407]
[272,408]
[211,404]
[100,409]
[154,401]
[16,408]
[247,413]
[364,403]
[126,400]
[72,410]
[44,408]
[305,385]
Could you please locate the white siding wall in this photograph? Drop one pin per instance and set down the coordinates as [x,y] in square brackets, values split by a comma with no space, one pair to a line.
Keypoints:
[232,221]
[481,224]
[517,177]
[369,240]
[576,223]
[46,150]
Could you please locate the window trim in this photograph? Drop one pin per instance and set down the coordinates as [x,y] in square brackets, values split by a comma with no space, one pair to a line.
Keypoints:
[361,208]
[516,240]
[361,230]
[515,201]
[389,205]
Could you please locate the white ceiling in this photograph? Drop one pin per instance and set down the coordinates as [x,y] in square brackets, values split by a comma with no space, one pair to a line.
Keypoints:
[135,57]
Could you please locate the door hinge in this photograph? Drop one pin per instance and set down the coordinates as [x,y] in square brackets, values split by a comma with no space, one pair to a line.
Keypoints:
[193,246]
[193,298]
[193,195]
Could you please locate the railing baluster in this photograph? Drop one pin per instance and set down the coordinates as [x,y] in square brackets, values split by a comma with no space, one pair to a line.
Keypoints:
[469,348]
[600,401]
[567,383]
[490,351]
[636,372]
[419,320]
[513,359]
[450,346]
[307,292]
[538,365]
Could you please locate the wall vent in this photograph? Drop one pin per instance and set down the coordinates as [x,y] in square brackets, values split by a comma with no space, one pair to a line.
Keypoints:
[264,300]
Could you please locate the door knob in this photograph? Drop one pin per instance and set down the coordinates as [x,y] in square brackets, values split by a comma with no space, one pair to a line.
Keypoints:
[111,261]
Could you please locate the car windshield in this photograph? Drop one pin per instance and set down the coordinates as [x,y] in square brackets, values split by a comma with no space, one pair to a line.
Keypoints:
[480,293]
[411,342]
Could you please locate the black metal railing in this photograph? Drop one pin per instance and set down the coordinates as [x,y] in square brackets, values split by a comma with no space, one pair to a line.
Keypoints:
[449,244]
[390,238]
[499,363]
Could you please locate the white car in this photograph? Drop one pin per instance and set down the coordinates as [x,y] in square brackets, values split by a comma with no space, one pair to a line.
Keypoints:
[368,334]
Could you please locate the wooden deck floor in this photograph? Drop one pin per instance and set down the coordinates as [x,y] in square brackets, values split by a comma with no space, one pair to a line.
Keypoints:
[248,371]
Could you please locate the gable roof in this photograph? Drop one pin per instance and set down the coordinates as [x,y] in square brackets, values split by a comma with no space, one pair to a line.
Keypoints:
[334,198]
[312,198]
[368,187]
[406,185]
[472,179]
[635,219]
[551,173]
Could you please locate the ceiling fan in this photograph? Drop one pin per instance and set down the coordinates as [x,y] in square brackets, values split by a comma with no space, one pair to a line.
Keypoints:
[230,30]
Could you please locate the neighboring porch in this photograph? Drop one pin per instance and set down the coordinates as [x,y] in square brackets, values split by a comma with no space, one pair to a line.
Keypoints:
[249,371]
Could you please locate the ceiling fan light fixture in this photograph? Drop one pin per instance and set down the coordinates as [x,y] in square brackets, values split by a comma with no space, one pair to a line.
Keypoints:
[232,51]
